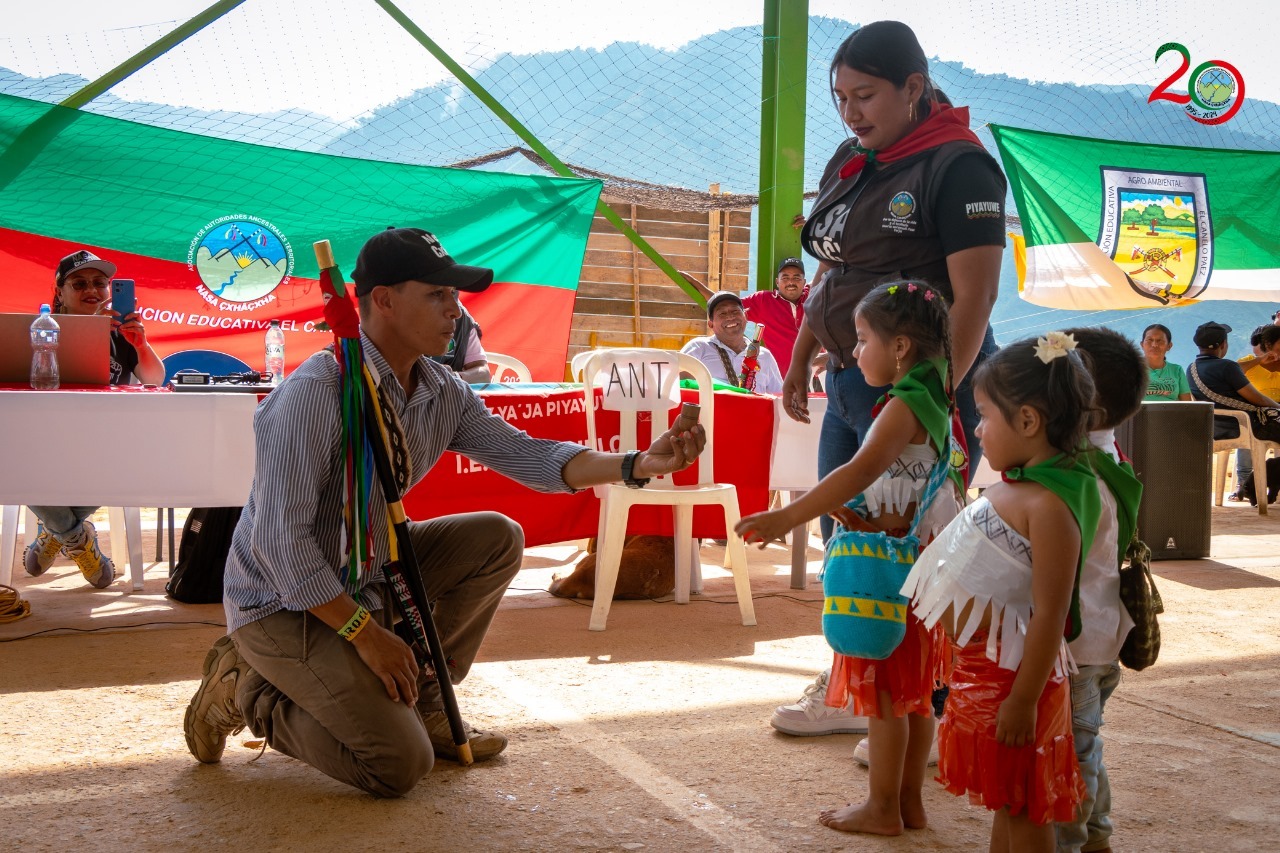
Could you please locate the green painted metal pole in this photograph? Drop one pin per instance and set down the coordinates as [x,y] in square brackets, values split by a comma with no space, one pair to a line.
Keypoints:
[149,54]
[782,113]
[533,142]
[768,145]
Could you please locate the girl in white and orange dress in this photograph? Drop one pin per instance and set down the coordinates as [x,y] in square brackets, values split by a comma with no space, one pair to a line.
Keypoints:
[903,341]
[1001,579]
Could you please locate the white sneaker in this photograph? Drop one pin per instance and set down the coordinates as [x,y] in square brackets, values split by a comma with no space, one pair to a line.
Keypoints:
[811,716]
[862,752]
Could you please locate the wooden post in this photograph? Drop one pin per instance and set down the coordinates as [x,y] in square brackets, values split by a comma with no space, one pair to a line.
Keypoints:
[714,246]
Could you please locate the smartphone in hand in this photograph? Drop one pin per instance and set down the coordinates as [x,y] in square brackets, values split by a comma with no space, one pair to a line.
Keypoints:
[123,300]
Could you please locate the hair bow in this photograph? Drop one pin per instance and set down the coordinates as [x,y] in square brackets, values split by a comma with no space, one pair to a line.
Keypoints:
[1054,345]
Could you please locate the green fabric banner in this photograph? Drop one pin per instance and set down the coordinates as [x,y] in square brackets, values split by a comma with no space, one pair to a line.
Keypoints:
[218,233]
[1122,225]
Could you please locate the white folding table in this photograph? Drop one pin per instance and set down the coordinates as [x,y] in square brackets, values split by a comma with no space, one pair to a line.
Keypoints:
[121,448]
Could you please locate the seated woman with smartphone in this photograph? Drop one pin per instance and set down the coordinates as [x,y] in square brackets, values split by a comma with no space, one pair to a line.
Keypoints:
[83,286]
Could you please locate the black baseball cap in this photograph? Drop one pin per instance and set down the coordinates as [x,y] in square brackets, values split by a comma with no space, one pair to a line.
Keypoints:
[411,254]
[721,296]
[789,262]
[80,260]
[1210,334]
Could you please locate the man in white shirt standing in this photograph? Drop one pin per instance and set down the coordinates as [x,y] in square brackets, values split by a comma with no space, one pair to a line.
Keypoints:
[724,350]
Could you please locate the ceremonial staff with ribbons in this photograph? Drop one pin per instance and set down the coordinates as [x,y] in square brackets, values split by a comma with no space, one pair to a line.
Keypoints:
[365,438]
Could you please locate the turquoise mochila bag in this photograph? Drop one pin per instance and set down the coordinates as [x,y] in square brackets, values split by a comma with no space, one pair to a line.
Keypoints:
[863,613]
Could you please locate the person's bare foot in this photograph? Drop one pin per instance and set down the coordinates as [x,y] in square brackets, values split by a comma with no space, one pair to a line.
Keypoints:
[912,809]
[862,818]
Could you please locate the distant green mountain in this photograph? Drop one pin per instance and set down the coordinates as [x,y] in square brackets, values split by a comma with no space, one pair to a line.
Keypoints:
[690,117]
[297,129]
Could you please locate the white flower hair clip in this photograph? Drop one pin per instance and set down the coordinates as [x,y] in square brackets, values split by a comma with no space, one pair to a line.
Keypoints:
[1054,345]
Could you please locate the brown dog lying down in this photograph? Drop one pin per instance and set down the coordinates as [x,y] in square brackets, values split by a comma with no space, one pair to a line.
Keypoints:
[647,570]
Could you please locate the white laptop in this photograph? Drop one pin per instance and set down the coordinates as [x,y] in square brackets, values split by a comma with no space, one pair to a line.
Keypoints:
[84,348]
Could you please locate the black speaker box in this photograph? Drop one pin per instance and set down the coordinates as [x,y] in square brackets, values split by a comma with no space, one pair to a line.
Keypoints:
[1171,447]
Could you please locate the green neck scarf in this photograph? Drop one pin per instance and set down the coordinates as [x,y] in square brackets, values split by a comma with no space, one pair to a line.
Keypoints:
[1124,485]
[1076,483]
[923,389]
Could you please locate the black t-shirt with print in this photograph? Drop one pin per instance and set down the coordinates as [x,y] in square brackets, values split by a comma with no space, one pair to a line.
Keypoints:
[124,359]
[969,210]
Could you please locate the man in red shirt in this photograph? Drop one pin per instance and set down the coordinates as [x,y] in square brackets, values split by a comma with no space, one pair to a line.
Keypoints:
[780,310]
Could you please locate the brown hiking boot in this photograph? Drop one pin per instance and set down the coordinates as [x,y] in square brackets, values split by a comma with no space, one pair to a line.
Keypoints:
[213,715]
[484,745]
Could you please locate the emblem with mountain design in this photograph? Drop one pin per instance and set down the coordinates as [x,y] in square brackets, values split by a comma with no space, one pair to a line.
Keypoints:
[1156,227]
[241,258]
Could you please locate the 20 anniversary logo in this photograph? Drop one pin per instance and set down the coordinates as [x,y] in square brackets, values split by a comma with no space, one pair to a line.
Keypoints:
[1215,89]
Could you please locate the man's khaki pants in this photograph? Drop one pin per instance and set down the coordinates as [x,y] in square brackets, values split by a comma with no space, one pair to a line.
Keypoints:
[312,697]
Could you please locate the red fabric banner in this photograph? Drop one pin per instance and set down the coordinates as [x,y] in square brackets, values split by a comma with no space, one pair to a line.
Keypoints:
[530,323]
[742,444]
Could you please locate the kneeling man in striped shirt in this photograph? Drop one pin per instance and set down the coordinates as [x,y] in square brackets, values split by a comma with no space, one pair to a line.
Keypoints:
[302,664]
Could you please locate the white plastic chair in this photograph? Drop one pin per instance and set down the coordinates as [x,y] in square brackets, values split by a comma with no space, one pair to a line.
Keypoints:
[616,499]
[578,363]
[126,548]
[509,362]
[1245,441]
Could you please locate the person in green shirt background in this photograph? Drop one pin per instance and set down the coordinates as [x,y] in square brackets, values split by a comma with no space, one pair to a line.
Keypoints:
[1165,381]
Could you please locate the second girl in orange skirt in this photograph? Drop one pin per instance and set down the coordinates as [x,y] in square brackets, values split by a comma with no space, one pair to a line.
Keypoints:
[1002,579]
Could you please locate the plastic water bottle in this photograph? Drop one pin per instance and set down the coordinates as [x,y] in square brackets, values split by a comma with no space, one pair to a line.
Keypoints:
[44,351]
[275,352]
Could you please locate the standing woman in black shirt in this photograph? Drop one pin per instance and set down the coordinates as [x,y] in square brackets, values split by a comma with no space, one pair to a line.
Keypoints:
[912,195]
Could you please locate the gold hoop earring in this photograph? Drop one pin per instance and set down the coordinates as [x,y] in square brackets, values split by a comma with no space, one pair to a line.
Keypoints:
[911,115]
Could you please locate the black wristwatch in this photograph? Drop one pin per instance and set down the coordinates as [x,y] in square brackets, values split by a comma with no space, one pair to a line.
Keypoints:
[628,466]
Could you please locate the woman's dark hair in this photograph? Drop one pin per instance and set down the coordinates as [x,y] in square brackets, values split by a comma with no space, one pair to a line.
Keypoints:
[888,50]
[1265,336]
[1061,390]
[1168,335]
[913,309]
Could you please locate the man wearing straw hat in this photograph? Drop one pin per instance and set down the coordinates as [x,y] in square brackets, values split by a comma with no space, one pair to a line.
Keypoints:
[311,662]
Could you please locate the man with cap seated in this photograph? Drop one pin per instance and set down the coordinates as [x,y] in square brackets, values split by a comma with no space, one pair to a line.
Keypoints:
[781,310]
[725,349]
[1216,379]
[311,663]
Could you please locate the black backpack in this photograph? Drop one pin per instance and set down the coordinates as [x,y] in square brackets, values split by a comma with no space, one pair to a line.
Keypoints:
[202,555]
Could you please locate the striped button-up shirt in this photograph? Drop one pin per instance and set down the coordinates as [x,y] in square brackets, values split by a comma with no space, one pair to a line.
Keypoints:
[288,549]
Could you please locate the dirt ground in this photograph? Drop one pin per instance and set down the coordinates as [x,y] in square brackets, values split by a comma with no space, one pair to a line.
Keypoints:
[650,736]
